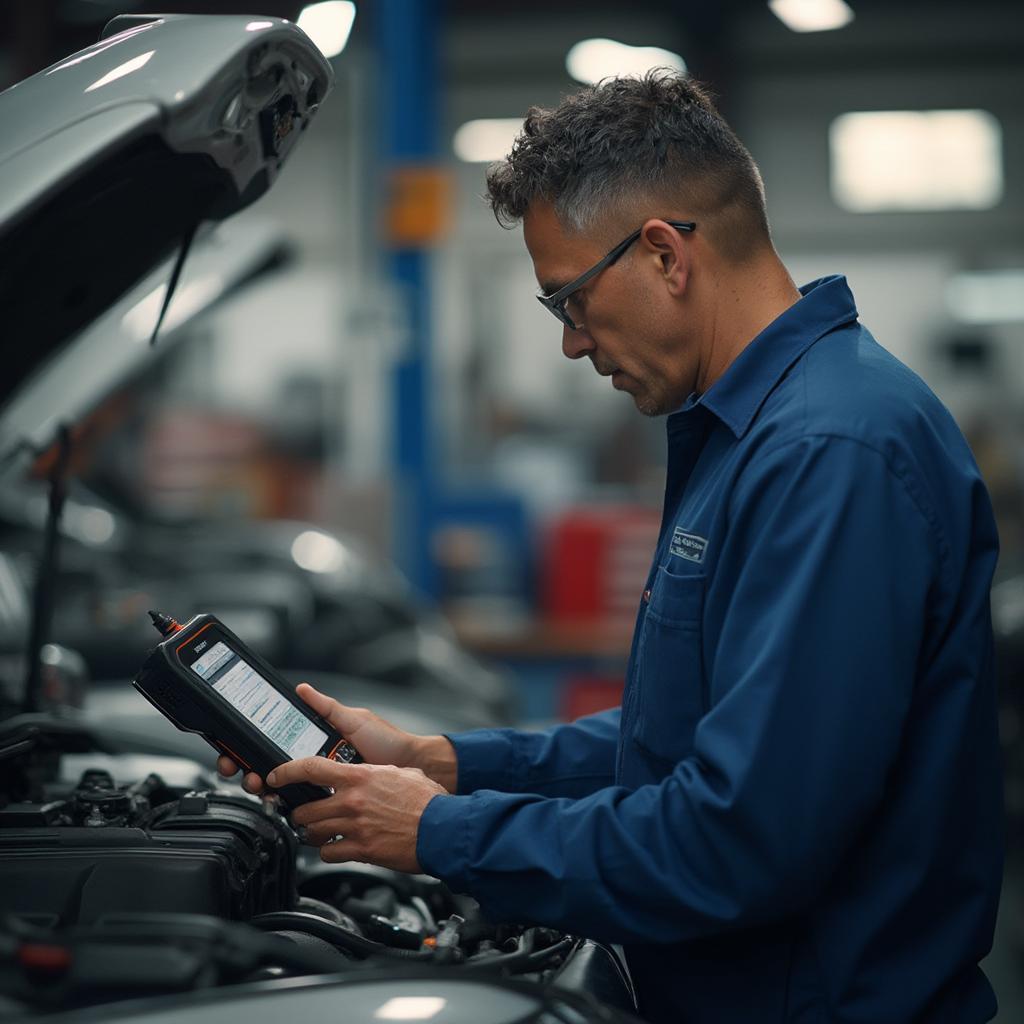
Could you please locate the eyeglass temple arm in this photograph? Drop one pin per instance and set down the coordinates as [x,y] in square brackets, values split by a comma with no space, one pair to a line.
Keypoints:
[556,297]
[595,269]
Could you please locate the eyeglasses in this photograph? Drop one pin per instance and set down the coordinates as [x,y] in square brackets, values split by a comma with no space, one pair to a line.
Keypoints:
[556,301]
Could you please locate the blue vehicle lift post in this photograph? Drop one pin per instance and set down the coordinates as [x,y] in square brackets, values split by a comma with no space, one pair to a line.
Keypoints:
[407,34]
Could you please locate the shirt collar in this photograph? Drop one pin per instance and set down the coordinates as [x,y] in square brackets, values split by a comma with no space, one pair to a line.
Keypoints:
[738,394]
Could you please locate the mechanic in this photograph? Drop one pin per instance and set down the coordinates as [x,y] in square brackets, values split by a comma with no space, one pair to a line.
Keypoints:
[796,813]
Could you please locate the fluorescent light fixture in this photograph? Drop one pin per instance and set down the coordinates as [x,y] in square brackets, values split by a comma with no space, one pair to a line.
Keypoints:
[593,59]
[986,297]
[486,139]
[328,24]
[812,15]
[411,1008]
[121,70]
[916,160]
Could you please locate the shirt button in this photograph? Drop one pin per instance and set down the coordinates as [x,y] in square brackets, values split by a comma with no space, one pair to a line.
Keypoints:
[647,596]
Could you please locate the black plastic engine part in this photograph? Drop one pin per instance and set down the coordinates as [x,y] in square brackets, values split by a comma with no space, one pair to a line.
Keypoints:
[147,954]
[103,850]
[357,945]
[598,971]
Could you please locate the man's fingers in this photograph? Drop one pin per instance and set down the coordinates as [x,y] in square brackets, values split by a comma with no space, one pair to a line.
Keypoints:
[340,851]
[346,720]
[324,831]
[318,770]
[252,783]
[315,811]
[319,702]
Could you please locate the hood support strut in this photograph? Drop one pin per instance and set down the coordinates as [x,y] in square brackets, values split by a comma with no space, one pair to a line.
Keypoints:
[186,244]
[46,580]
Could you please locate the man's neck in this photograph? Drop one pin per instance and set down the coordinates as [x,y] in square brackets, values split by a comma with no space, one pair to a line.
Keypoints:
[744,304]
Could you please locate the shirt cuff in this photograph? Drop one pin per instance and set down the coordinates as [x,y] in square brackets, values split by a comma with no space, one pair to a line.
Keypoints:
[442,841]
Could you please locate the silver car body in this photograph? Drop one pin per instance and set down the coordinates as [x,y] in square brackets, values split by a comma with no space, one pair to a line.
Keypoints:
[225,97]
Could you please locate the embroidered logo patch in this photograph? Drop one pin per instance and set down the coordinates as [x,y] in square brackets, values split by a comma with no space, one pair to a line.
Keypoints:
[688,545]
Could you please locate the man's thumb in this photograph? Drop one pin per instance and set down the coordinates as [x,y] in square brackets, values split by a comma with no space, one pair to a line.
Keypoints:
[342,718]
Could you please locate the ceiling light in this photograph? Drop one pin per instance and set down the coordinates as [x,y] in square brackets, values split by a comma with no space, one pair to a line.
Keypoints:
[487,139]
[986,297]
[916,160]
[812,15]
[328,24]
[593,59]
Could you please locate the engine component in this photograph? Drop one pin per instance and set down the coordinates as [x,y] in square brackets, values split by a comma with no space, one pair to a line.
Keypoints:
[136,954]
[105,849]
[113,891]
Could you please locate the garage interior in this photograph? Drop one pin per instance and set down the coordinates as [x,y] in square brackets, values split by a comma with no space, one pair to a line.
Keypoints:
[354,368]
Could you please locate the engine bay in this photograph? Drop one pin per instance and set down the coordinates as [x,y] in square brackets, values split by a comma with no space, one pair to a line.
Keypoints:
[114,889]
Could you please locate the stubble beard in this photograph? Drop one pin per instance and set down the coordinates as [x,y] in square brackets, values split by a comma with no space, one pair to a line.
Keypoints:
[650,403]
[647,396]
[648,407]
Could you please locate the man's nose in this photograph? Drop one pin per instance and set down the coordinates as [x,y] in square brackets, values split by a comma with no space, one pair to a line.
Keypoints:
[576,344]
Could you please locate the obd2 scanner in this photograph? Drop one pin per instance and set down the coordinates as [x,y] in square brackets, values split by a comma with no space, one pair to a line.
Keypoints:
[206,681]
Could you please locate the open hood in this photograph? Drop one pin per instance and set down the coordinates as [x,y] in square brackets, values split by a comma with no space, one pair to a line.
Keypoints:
[109,160]
[76,378]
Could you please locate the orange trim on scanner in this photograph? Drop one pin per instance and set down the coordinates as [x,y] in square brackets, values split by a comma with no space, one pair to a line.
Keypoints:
[193,636]
[240,761]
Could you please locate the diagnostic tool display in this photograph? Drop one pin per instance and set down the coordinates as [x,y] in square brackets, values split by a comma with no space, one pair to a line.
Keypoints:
[269,710]
[205,680]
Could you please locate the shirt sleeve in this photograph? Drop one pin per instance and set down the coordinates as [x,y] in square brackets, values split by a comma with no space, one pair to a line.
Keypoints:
[810,686]
[567,760]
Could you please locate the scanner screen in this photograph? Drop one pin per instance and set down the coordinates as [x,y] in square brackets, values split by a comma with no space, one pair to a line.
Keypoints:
[267,708]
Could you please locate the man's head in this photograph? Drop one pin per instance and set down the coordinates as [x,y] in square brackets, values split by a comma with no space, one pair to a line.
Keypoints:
[629,154]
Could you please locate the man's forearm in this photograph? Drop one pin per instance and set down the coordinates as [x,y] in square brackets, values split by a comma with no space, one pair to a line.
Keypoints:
[567,760]
[436,758]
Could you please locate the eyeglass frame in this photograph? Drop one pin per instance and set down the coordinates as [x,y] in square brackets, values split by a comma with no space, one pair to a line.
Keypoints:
[555,302]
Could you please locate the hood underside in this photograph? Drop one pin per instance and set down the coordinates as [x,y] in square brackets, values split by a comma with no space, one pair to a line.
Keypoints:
[112,156]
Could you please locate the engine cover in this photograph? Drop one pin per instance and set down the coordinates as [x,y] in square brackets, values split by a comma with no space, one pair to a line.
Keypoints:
[105,850]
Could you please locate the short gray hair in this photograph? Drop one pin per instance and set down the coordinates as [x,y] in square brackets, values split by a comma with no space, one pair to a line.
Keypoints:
[626,140]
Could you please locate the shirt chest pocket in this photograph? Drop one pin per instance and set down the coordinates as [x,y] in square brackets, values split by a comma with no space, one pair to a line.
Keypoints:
[669,671]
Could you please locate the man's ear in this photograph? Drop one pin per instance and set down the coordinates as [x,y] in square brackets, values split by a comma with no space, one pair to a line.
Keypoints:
[672,250]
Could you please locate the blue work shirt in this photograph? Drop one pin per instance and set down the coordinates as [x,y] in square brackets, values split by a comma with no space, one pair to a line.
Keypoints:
[796,815]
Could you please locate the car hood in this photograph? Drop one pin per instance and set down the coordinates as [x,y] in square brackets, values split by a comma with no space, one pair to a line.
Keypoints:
[113,156]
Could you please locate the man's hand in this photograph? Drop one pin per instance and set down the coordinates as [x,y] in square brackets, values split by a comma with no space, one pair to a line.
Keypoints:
[375,808]
[378,742]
